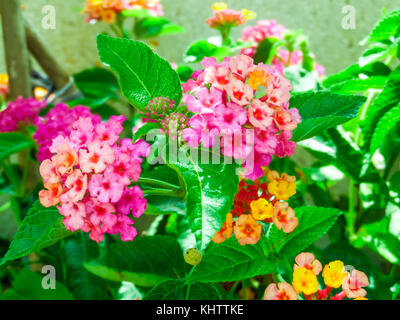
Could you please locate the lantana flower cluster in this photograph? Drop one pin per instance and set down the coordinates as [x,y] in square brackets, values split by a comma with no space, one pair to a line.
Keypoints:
[4,85]
[260,202]
[265,29]
[89,178]
[228,18]
[20,112]
[107,10]
[339,282]
[59,121]
[243,106]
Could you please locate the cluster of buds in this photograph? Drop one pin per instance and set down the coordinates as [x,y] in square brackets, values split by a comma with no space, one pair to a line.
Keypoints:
[305,282]
[174,123]
[250,208]
[224,17]
[158,108]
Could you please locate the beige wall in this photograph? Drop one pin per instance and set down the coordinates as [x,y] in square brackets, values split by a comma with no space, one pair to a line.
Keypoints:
[74,41]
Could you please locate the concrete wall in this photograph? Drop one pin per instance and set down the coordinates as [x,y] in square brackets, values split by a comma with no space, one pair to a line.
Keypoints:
[74,41]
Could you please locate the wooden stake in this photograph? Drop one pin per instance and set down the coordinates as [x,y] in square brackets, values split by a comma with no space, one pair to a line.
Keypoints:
[47,60]
[16,49]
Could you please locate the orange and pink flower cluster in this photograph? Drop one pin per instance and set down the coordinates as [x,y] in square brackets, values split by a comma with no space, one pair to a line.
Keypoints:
[107,10]
[346,284]
[228,18]
[260,202]
[89,175]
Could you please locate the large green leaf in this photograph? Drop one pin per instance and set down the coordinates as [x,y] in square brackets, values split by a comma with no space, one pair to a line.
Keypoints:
[27,285]
[388,246]
[147,261]
[389,98]
[210,190]
[13,142]
[388,122]
[41,228]
[230,261]
[314,222]
[386,28]
[266,50]
[178,290]
[143,75]
[354,86]
[323,110]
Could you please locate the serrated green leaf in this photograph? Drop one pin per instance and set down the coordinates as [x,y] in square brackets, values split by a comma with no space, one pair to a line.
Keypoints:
[388,122]
[230,261]
[145,262]
[176,290]
[389,97]
[323,110]
[41,228]
[13,142]
[314,222]
[210,190]
[386,28]
[143,75]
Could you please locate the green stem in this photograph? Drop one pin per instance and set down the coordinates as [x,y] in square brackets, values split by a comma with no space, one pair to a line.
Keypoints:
[116,31]
[244,287]
[351,214]
[187,295]
[5,206]
[158,183]
[364,111]
[25,173]
[164,192]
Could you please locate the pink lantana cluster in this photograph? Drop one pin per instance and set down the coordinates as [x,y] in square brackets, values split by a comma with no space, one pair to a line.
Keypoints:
[262,30]
[58,122]
[270,29]
[20,111]
[243,106]
[89,175]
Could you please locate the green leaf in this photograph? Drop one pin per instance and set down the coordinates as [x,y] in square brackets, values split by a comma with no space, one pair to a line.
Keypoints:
[176,290]
[200,49]
[395,182]
[27,285]
[389,97]
[147,261]
[145,129]
[314,222]
[355,72]
[354,86]
[230,261]
[388,246]
[184,72]
[386,28]
[210,190]
[374,54]
[388,122]
[41,228]
[97,83]
[13,142]
[266,50]
[323,110]
[143,75]
[150,27]
[82,283]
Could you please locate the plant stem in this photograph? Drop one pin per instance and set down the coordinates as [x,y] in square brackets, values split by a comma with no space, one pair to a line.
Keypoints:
[351,214]
[244,287]
[364,111]
[159,183]
[25,173]
[187,295]
[164,192]
[5,206]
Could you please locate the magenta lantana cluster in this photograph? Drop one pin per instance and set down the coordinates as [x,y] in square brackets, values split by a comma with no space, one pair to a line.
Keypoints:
[89,178]
[58,122]
[20,112]
[243,106]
